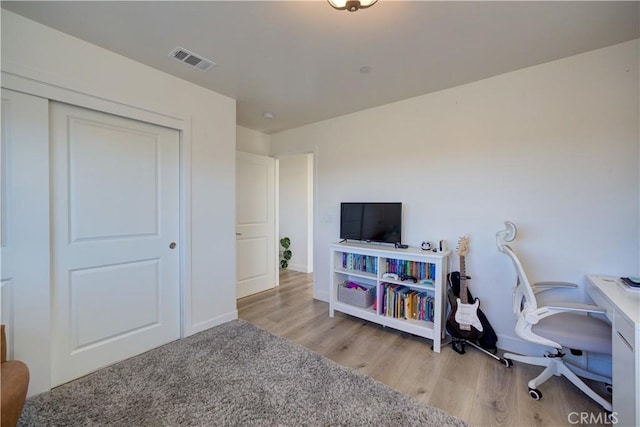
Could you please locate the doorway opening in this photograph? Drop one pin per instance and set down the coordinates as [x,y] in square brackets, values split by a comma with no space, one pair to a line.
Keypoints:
[296,209]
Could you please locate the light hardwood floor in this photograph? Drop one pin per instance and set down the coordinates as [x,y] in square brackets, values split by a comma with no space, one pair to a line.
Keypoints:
[472,386]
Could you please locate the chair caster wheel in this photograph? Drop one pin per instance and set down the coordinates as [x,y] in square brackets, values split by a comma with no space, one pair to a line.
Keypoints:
[609,388]
[535,394]
[507,362]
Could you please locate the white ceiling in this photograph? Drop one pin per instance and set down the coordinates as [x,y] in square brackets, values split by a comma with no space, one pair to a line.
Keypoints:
[301,60]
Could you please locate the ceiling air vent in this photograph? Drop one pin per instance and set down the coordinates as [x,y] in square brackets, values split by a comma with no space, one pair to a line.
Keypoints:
[188,57]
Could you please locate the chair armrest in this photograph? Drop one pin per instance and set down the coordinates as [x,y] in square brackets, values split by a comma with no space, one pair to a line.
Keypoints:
[545,286]
[578,307]
[549,310]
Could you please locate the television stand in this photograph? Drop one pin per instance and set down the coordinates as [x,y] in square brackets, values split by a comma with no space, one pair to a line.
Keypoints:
[414,307]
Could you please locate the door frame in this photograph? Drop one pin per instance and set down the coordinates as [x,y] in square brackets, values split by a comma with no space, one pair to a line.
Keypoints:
[322,296]
[312,190]
[37,86]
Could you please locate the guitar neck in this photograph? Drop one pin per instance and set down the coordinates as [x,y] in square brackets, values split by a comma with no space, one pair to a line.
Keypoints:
[463,281]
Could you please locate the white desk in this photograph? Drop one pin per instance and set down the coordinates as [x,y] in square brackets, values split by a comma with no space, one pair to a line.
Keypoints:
[623,309]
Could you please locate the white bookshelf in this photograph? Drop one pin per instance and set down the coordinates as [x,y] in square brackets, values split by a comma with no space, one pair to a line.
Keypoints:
[435,267]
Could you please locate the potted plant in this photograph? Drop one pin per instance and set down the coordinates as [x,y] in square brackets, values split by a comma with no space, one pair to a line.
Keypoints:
[285,252]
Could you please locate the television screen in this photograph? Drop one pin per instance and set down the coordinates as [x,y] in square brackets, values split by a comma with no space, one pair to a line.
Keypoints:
[374,222]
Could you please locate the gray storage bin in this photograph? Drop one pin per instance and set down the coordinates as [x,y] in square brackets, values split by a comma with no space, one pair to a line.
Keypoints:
[356,297]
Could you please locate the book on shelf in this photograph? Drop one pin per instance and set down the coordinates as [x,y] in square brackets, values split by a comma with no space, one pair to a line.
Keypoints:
[419,270]
[403,302]
[365,263]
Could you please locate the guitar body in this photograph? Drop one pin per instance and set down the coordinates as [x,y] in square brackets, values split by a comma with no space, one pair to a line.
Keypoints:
[453,327]
[467,315]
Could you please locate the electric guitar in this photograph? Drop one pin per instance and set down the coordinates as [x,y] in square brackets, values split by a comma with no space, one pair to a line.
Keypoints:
[463,319]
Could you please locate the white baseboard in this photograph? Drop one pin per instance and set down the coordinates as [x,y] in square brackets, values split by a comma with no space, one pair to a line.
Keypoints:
[600,364]
[300,268]
[321,295]
[210,323]
[517,345]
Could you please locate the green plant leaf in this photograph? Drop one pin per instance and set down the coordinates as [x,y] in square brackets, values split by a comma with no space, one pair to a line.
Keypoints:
[285,242]
[286,254]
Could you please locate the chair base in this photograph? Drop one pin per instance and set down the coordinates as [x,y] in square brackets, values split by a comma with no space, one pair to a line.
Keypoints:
[555,365]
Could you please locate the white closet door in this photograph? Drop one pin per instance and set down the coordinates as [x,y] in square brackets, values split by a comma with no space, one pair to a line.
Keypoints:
[115,218]
[256,263]
[25,283]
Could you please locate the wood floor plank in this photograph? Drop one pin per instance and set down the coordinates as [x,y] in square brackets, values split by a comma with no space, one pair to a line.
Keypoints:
[425,368]
[544,412]
[453,398]
[472,386]
[391,366]
[494,406]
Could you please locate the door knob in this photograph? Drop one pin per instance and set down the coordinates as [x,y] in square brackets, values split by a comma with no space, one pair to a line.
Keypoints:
[172,245]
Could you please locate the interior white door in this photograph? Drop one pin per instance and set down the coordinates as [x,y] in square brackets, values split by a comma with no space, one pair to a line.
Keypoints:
[115,218]
[25,285]
[256,263]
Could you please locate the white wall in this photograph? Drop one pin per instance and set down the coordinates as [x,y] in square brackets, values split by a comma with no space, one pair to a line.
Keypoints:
[553,148]
[252,141]
[296,208]
[48,63]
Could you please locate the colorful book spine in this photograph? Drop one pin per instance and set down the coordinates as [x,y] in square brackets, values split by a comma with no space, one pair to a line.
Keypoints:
[403,302]
[366,263]
[419,270]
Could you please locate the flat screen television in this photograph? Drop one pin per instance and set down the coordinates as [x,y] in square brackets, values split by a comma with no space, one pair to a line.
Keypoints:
[371,222]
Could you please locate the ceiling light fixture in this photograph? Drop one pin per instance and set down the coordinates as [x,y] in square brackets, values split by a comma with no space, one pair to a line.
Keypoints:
[351,5]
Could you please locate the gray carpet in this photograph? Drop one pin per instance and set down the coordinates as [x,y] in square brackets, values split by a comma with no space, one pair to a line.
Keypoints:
[234,374]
